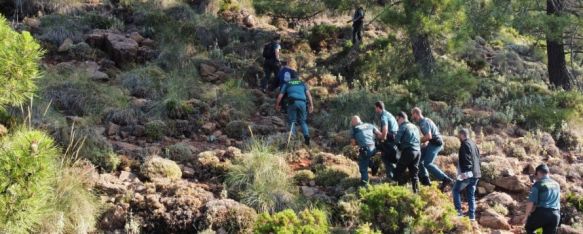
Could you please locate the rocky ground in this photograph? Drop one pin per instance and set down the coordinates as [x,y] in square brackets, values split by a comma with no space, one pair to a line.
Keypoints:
[171,170]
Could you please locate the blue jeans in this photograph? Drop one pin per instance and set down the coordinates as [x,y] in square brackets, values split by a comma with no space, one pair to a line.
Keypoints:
[428,155]
[364,156]
[297,111]
[470,186]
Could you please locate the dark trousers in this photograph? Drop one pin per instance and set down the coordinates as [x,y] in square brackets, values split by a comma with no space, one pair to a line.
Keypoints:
[547,219]
[356,33]
[270,69]
[389,158]
[409,160]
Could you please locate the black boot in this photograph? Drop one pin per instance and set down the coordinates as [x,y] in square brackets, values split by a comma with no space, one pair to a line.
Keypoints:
[307,140]
[425,181]
[444,183]
[415,186]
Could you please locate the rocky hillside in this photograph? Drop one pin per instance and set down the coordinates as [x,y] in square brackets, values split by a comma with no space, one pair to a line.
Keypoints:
[160,101]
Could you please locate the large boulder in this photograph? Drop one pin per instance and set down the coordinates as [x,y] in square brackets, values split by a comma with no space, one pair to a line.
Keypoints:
[499,198]
[516,183]
[122,50]
[490,219]
[156,167]
[227,216]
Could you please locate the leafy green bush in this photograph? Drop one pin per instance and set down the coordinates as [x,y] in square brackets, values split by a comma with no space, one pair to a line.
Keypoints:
[323,34]
[262,180]
[575,200]
[29,168]
[451,84]
[395,209]
[95,148]
[180,152]
[19,67]
[155,129]
[304,176]
[366,229]
[309,221]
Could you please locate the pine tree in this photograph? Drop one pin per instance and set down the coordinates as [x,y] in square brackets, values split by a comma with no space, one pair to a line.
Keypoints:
[19,58]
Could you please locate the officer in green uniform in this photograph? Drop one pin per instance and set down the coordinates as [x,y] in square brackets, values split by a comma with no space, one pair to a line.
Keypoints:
[408,142]
[544,203]
[363,136]
[297,95]
[389,129]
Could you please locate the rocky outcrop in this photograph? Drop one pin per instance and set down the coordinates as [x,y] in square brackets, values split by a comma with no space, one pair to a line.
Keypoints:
[490,219]
[516,183]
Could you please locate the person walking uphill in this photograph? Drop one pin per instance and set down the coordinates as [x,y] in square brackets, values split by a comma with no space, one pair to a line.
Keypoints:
[389,129]
[297,95]
[408,142]
[545,200]
[363,136]
[433,143]
[468,174]
[357,24]
[271,64]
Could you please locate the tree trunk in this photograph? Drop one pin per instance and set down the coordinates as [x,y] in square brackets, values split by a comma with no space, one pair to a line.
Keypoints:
[422,53]
[559,75]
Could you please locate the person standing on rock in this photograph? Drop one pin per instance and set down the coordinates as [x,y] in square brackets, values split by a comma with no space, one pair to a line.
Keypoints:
[408,142]
[297,95]
[357,24]
[271,64]
[389,129]
[468,174]
[363,136]
[432,144]
[544,203]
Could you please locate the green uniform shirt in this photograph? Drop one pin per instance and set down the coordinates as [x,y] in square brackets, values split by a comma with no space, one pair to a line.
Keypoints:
[546,193]
[408,137]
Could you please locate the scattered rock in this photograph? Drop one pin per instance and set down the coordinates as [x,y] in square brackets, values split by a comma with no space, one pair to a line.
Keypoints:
[249,21]
[66,45]
[111,129]
[517,183]
[209,127]
[499,198]
[136,37]
[565,229]
[123,50]
[156,167]
[490,219]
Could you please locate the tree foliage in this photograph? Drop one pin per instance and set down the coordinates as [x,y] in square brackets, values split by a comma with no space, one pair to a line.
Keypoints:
[19,57]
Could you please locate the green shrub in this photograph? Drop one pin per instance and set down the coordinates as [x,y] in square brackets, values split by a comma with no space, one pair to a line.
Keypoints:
[19,67]
[29,169]
[450,84]
[95,148]
[156,129]
[366,229]
[56,28]
[308,221]
[395,209]
[180,152]
[232,94]
[304,176]
[575,200]
[156,167]
[322,34]
[262,180]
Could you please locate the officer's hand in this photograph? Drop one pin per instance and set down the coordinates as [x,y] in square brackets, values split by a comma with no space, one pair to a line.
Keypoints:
[277,107]
[311,109]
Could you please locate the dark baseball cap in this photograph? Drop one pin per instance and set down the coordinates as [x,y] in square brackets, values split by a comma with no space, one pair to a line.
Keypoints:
[542,168]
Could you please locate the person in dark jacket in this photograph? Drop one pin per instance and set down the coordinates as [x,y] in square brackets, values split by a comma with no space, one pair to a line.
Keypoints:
[544,203]
[468,174]
[271,64]
[357,23]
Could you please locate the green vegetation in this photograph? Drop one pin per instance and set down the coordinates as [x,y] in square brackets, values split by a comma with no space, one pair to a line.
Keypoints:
[397,209]
[262,180]
[575,200]
[19,67]
[307,221]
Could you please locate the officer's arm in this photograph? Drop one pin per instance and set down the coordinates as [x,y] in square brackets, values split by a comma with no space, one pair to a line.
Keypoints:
[279,97]
[384,132]
[532,199]
[277,53]
[426,133]
[310,100]
[529,209]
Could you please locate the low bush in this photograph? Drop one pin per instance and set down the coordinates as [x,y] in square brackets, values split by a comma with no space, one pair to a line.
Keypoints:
[575,200]
[95,148]
[156,167]
[156,129]
[307,221]
[395,209]
[366,229]
[180,152]
[323,35]
[304,176]
[262,180]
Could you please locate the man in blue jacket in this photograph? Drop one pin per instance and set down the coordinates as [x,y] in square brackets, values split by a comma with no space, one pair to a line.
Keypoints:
[298,98]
